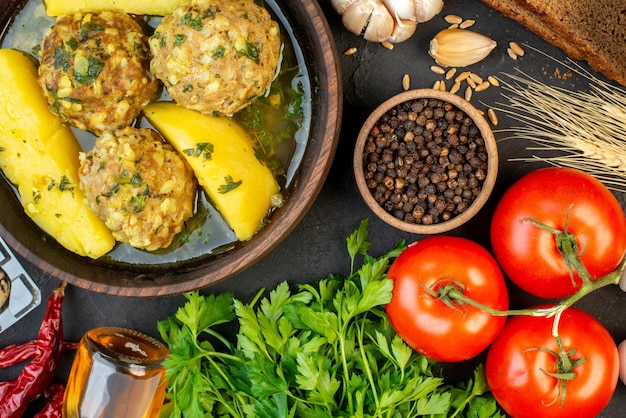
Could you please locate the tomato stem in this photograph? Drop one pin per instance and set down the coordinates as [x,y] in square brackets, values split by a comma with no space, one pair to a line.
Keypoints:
[565,363]
[567,244]
[451,292]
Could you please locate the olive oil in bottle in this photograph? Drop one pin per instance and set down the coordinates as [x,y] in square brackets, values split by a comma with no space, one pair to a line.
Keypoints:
[117,373]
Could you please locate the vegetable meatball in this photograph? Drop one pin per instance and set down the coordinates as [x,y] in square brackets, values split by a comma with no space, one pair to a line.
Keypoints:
[95,70]
[139,186]
[216,56]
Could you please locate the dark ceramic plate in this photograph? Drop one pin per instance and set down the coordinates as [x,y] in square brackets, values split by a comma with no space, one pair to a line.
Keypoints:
[314,39]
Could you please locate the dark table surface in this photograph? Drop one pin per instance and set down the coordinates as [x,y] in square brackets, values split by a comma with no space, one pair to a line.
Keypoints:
[316,247]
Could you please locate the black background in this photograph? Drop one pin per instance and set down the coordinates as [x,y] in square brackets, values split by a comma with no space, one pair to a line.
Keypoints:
[317,247]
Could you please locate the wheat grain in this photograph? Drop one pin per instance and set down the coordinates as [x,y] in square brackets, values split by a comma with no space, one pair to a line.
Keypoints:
[511,53]
[466,23]
[406,82]
[483,86]
[437,69]
[493,118]
[468,93]
[462,76]
[516,48]
[578,129]
[453,19]
[476,78]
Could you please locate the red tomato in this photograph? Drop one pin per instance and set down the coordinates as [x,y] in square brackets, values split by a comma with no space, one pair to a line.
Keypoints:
[427,324]
[517,366]
[528,255]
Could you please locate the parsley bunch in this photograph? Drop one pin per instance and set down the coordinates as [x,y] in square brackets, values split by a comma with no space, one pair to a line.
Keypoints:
[325,350]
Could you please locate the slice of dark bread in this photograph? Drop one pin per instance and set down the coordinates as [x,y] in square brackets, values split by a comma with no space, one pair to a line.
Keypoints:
[590,30]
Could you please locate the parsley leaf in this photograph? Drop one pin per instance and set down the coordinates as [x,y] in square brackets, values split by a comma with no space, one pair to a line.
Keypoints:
[194,22]
[251,51]
[87,69]
[321,350]
[204,149]
[229,185]
[61,58]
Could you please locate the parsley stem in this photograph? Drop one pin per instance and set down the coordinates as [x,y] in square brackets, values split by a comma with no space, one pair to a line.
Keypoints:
[366,365]
[344,363]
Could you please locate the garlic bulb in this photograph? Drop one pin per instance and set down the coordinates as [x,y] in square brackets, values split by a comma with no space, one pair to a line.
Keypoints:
[460,47]
[385,20]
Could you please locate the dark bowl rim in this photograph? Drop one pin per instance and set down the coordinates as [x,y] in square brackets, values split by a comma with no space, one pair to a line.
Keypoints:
[308,181]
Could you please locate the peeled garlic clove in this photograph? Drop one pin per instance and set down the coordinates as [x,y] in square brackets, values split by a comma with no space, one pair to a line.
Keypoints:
[404,30]
[460,47]
[427,9]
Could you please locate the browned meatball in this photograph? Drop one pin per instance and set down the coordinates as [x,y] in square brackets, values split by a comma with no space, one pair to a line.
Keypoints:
[139,186]
[216,56]
[95,70]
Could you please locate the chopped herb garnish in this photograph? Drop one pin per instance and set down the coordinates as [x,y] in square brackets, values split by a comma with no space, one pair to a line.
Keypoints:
[114,190]
[87,69]
[252,51]
[194,22]
[210,13]
[51,185]
[61,59]
[71,99]
[66,184]
[229,186]
[188,88]
[72,43]
[179,39]
[135,180]
[88,29]
[203,148]
[219,52]
[137,203]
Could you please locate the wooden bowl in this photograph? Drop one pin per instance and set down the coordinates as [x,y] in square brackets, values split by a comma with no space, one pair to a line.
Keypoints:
[487,185]
[314,37]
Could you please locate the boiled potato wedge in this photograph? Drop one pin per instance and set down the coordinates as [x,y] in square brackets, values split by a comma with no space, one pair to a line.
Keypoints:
[39,154]
[139,7]
[221,154]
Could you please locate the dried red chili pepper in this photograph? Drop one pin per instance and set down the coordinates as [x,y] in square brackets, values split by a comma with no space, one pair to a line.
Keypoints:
[17,353]
[54,407]
[16,394]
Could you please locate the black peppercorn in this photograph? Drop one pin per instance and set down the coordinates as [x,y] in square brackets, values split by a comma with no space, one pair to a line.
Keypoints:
[425,161]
